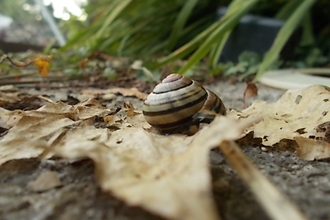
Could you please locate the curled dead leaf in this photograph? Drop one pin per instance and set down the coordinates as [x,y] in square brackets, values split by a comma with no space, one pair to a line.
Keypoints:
[31,135]
[310,149]
[82,110]
[83,63]
[298,113]
[154,171]
[11,97]
[32,131]
[130,110]
[251,90]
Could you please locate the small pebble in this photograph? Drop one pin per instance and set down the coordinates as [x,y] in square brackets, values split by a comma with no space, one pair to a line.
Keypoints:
[264,149]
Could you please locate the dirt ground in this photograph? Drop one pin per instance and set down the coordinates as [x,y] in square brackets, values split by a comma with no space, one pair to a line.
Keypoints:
[306,183]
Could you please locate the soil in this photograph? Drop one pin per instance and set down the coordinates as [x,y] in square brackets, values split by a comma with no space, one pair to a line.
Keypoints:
[306,183]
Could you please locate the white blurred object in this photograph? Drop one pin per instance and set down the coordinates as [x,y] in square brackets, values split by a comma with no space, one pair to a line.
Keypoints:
[295,79]
[5,22]
[63,8]
[51,23]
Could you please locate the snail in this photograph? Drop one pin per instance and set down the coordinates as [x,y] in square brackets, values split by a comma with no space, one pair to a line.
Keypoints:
[178,101]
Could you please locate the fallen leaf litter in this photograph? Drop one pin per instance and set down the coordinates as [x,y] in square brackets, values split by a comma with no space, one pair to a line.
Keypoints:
[299,113]
[135,165]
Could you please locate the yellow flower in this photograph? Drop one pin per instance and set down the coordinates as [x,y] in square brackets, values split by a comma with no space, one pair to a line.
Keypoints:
[42,64]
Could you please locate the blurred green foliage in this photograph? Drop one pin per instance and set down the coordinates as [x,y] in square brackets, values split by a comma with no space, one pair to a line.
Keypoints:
[22,11]
[163,32]
[140,28]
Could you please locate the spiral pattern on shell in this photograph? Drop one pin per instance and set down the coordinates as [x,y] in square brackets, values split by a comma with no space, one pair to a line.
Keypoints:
[177,100]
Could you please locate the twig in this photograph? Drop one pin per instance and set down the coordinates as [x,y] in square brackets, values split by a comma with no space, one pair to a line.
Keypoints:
[15,63]
[21,76]
[270,198]
[3,57]
[45,99]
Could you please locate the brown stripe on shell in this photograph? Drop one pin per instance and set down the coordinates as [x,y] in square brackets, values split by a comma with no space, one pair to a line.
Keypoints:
[174,82]
[214,103]
[176,124]
[178,108]
[212,106]
[158,102]
[170,118]
[171,88]
[222,110]
[182,94]
[172,77]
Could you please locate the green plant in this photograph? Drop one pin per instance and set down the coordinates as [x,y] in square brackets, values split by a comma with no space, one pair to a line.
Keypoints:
[248,64]
[298,9]
[215,36]
[178,29]
[22,11]
[141,28]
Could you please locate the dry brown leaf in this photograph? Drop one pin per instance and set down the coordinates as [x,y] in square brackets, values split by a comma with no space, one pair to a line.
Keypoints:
[45,181]
[5,116]
[154,171]
[123,91]
[310,149]
[130,110]
[35,130]
[298,113]
[29,137]
[10,96]
[82,110]
[145,169]
[129,92]
[251,90]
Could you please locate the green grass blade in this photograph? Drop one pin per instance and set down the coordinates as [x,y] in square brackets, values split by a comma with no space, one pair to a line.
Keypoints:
[216,51]
[287,10]
[122,45]
[283,35]
[87,34]
[180,22]
[307,35]
[218,33]
[187,48]
[78,37]
[193,44]
[198,25]
[113,14]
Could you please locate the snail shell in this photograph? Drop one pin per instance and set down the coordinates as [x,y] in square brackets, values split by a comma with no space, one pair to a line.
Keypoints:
[177,101]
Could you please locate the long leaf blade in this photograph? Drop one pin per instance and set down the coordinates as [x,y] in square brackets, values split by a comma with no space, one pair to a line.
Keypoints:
[193,44]
[218,33]
[113,15]
[283,35]
[180,22]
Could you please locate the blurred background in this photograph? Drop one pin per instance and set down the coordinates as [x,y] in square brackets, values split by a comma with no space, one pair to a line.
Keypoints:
[23,21]
[229,37]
